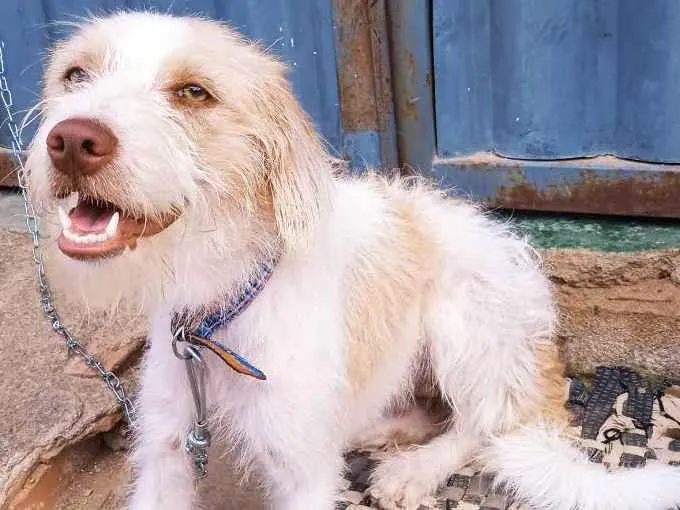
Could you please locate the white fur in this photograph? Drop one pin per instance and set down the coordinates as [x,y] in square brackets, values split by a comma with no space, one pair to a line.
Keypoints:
[546,470]
[475,326]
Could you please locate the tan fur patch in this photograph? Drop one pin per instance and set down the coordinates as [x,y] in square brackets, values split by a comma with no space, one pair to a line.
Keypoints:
[259,136]
[386,283]
[552,383]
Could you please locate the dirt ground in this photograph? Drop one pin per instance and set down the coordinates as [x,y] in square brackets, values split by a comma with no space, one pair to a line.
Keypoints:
[93,476]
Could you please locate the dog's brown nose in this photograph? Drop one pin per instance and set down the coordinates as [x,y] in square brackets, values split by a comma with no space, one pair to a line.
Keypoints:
[81,146]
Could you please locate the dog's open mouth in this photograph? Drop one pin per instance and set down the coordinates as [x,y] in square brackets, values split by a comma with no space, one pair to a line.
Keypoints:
[95,229]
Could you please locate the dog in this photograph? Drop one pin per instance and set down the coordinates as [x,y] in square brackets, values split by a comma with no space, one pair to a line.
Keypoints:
[172,159]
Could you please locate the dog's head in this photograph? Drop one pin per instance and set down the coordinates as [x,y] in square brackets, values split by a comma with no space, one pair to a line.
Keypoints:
[159,130]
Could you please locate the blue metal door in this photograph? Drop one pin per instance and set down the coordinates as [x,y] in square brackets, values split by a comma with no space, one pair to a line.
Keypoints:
[301,33]
[559,105]
[325,43]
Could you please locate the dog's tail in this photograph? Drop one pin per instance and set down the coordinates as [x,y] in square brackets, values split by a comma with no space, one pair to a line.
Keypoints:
[547,472]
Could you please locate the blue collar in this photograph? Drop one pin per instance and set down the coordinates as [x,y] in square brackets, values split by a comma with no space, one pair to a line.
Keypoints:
[200,336]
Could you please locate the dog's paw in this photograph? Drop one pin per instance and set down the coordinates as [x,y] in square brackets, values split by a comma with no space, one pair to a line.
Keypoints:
[398,484]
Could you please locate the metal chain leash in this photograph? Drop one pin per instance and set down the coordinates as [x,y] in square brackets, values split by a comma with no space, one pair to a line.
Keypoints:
[72,344]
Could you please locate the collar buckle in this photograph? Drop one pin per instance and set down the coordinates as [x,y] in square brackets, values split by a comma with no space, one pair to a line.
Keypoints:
[198,439]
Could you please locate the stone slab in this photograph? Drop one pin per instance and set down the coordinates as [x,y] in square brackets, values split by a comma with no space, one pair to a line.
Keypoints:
[44,408]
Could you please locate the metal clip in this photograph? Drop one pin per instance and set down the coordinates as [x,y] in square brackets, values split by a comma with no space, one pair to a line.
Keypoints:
[198,438]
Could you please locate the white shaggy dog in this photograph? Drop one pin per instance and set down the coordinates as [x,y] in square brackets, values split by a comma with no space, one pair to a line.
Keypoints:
[185,161]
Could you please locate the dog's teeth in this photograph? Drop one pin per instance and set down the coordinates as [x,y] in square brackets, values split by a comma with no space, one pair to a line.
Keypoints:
[63,218]
[112,226]
[85,238]
[70,235]
[79,238]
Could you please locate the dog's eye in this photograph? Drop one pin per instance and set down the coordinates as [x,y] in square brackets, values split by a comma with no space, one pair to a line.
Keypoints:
[76,75]
[193,92]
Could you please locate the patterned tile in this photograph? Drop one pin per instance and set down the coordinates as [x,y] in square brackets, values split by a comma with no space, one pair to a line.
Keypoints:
[622,423]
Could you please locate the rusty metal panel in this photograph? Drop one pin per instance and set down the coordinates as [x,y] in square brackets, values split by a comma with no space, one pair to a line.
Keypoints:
[355,65]
[601,185]
[364,78]
[648,81]
[534,96]
[410,23]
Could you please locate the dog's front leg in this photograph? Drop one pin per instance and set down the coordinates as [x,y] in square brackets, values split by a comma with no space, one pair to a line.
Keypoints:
[292,429]
[303,471]
[163,477]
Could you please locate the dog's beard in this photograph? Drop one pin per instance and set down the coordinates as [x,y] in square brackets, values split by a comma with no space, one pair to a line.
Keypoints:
[199,259]
[135,278]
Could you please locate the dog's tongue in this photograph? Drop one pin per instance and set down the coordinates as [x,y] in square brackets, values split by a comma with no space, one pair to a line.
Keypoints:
[89,218]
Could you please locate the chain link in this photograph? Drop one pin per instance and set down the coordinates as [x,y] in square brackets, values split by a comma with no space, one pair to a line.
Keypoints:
[32,225]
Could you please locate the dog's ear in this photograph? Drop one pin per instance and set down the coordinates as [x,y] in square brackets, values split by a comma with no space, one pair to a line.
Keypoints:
[297,168]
